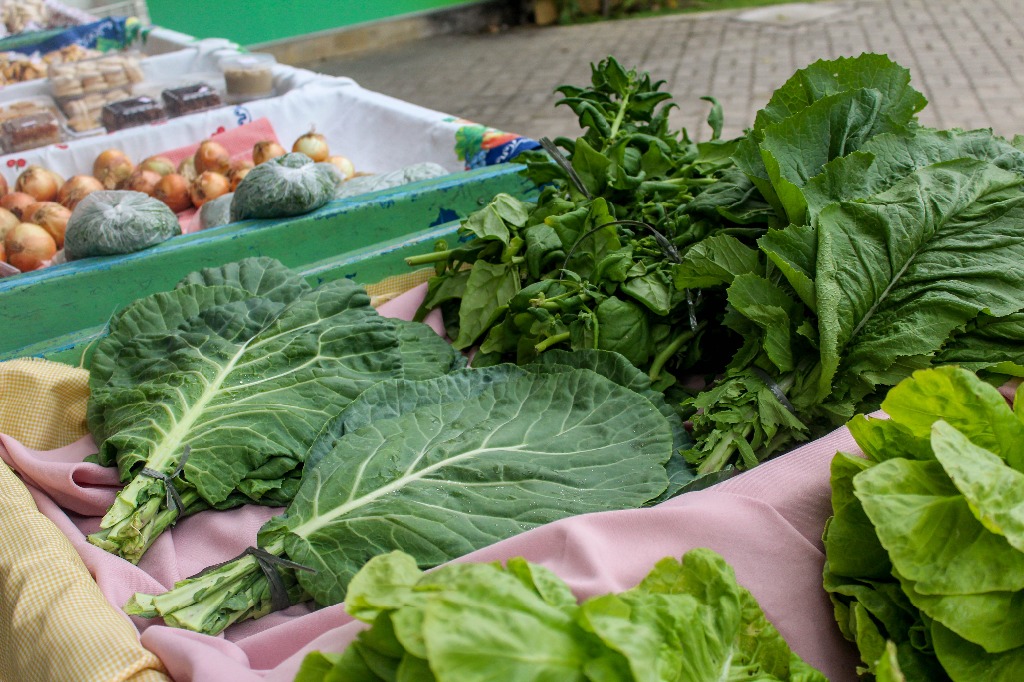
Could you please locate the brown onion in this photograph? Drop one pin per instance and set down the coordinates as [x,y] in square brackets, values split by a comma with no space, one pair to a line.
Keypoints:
[3,252]
[266,150]
[239,169]
[172,189]
[142,181]
[187,168]
[7,221]
[208,186]
[344,166]
[16,202]
[160,165]
[29,246]
[50,216]
[77,188]
[39,183]
[213,157]
[313,145]
[3,186]
[112,167]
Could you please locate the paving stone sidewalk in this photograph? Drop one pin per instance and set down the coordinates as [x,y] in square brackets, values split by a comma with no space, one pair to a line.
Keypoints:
[966,56]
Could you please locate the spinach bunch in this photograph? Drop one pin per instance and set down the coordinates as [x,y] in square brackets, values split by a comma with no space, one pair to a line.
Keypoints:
[589,264]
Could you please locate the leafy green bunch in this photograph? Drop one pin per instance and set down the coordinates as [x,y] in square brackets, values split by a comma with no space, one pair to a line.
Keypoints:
[687,620]
[925,550]
[589,263]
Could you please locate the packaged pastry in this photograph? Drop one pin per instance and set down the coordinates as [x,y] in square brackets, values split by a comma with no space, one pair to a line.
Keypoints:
[131,112]
[189,99]
[29,131]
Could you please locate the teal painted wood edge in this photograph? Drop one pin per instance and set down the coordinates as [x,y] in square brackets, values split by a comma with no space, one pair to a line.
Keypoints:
[55,317]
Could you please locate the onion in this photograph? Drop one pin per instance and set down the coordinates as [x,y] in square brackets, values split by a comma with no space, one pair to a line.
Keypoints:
[50,216]
[344,166]
[160,165]
[207,187]
[172,189]
[29,246]
[266,150]
[239,169]
[112,167]
[313,145]
[76,189]
[142,181]
[212,156]
[39,183]
[3,186]
[3,253]
[16,202]
[7,221]
[187,168]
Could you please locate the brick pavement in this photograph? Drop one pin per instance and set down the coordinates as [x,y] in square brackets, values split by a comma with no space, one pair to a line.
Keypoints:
[965,56]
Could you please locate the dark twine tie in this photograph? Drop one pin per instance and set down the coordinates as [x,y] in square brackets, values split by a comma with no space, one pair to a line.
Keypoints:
[279,599]
[775,389]
[173,499]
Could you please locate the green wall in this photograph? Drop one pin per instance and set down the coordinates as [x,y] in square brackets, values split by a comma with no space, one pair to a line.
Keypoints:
[249,22]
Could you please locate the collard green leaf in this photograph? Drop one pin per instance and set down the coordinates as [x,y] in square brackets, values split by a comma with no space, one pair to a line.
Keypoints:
[187,387]
[445,479]
[882,280]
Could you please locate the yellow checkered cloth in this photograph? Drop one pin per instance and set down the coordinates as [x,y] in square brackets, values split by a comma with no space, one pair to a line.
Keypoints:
[42,403]
[55,624]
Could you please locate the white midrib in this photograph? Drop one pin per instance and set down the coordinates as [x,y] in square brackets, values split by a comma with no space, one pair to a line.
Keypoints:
[321,520]
[170,445]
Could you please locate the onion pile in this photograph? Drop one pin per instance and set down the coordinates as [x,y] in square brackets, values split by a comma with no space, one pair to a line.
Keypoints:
[34,211]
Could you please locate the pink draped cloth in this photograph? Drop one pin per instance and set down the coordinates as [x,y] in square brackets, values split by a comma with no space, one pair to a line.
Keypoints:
[767,523]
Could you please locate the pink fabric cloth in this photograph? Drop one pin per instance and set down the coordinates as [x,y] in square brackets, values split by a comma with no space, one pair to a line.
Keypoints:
[767,523]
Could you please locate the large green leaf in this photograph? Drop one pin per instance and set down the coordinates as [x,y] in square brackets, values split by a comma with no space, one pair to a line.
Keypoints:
[828,77]
[884,285]
[988,342]
[887,158]
[924,523]
[994,492]
[850,542]
[192,387]
[446,479]
[967,662]
[959,398]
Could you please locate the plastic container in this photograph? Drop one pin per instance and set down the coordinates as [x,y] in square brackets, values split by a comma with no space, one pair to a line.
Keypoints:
[248,76]
[132,112]
[30,131]
[189,99]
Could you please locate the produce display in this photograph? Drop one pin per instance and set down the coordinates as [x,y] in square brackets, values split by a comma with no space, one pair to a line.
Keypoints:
[666,313]
[291,185]
[687,620]
[183,375]
[444,466]
[925,550]
[799,270]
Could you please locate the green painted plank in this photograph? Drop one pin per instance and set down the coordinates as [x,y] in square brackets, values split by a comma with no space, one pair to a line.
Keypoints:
[248,22]
[53,312]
